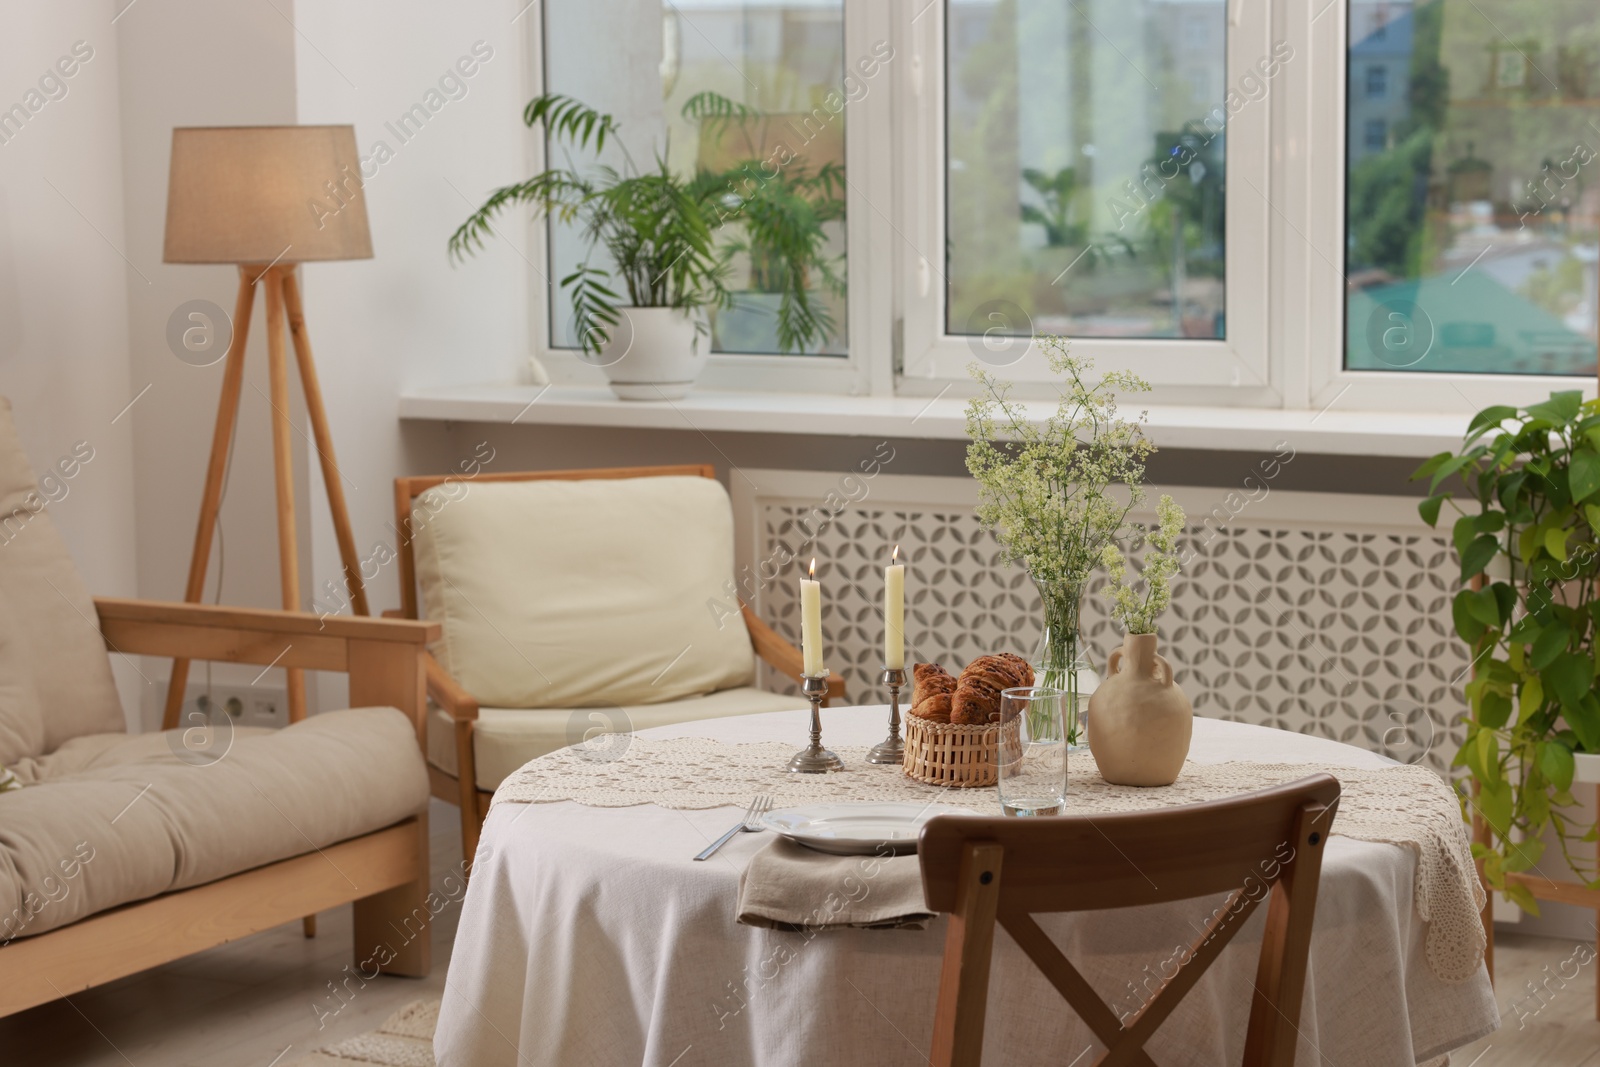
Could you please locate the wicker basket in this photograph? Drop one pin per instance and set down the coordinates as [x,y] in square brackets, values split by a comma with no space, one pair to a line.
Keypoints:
[949,754]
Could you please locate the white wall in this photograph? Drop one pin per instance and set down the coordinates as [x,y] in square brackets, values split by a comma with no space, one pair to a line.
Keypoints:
[64,281]
[407,317]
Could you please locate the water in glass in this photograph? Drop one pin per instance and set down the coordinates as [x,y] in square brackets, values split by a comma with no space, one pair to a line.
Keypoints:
[1032,771]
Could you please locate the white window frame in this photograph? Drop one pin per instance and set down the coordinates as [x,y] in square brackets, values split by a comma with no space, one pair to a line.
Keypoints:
[868,170]
[1285,242]
[1231,371]
[1309,132]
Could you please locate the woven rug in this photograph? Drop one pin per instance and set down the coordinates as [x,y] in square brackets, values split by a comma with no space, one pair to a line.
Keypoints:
[404,1040]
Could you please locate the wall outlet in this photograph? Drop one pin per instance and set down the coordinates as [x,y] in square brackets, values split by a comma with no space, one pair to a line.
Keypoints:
[264,709]
[243,705]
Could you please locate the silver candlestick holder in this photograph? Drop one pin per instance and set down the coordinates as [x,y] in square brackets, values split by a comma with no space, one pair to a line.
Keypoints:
[891,749]
[814,759]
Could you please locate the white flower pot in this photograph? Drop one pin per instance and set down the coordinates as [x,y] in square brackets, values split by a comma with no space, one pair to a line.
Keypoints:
[653,353]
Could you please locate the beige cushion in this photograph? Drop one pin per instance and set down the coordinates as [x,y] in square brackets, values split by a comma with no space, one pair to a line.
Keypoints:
[21,718]
[42,591]
[114,819]
[506,738]
[561,594]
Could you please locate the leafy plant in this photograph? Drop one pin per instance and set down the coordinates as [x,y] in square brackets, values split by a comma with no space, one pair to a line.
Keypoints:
[778,209]
[669,239]
[1057,494]
[1048,490]
[1136,610]
[656,228]
[1057,192]
[1531,551]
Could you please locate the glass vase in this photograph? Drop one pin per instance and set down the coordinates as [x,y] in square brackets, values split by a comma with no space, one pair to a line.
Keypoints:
[1059,661]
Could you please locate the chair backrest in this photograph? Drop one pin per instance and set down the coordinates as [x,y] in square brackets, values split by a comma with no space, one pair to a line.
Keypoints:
[55,675]
[576,587]
[984,870]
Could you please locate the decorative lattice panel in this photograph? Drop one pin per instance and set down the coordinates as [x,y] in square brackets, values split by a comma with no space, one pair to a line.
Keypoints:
[1337,632]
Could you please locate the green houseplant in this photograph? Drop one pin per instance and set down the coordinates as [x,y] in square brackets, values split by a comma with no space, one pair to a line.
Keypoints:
[671,240]
[1528,541]
[775,213]
[1057,493]
[655,228]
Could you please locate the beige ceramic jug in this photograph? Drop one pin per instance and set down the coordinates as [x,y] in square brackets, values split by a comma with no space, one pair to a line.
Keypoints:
[1139,721]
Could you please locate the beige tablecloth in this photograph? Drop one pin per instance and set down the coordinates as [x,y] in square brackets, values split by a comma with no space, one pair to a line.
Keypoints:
[589,937]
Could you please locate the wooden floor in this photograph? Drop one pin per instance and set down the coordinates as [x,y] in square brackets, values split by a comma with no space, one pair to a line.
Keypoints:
[1561,1033]
[255,1002]
[258,1002]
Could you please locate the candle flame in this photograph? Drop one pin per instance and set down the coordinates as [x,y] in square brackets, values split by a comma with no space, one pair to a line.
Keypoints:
[894,556]
[812,573]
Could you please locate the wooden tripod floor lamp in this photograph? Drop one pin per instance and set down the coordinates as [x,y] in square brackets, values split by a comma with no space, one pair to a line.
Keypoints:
[267,198]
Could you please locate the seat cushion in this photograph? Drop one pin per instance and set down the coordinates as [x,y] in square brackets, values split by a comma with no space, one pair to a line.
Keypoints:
[506,738]
[55,614]
[561,594]
[114,819]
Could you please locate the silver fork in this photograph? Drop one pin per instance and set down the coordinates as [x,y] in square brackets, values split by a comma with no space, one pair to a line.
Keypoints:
[759,806]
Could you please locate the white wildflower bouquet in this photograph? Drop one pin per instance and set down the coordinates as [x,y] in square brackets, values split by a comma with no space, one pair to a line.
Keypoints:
[1137,610]
[1057,493]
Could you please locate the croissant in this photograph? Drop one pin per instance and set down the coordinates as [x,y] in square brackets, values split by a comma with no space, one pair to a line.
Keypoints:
[977,696]
[931,691]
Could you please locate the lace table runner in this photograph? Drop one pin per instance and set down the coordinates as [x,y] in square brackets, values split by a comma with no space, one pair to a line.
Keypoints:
[1398,805]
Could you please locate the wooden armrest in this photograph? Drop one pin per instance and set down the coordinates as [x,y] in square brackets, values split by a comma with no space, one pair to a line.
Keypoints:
[383,657]
[447,692]
[266,620]
[784,657]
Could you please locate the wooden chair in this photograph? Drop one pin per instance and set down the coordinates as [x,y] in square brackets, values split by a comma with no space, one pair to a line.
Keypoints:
[462,788]
[385,872]
[981,870]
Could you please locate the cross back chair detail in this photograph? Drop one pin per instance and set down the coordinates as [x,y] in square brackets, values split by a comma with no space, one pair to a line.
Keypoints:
[987,870]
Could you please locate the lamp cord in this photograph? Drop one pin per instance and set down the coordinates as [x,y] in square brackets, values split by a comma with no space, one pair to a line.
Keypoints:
[222,548]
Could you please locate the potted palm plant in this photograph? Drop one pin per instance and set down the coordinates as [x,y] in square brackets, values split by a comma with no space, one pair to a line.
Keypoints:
[776,210]
[655,229]
[667,244]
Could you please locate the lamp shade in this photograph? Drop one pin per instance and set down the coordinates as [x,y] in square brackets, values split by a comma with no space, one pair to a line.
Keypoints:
[263,194]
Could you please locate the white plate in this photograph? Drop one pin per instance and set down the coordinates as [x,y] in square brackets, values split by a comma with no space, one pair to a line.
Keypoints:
[857,829]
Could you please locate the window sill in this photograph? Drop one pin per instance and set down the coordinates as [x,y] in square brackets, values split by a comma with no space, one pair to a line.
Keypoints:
[1330,432]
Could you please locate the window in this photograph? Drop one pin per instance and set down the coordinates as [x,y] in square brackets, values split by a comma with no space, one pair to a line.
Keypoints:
[1084,187]
[1176,185]
[1472,223]
[1377,81]
[751,97]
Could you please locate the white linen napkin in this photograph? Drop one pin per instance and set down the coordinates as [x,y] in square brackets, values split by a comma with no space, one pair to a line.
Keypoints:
[790,887]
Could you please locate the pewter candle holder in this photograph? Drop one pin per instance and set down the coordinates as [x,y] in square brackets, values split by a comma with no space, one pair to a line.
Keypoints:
[892,749]
[814,759]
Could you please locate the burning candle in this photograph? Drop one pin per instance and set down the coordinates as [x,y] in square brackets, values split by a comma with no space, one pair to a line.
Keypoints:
[811,624]
[894,612]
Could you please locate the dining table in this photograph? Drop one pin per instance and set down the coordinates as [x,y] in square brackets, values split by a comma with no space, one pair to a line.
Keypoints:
[591,936]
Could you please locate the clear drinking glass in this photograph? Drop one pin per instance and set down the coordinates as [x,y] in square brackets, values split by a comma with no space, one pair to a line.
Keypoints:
[1033,767]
